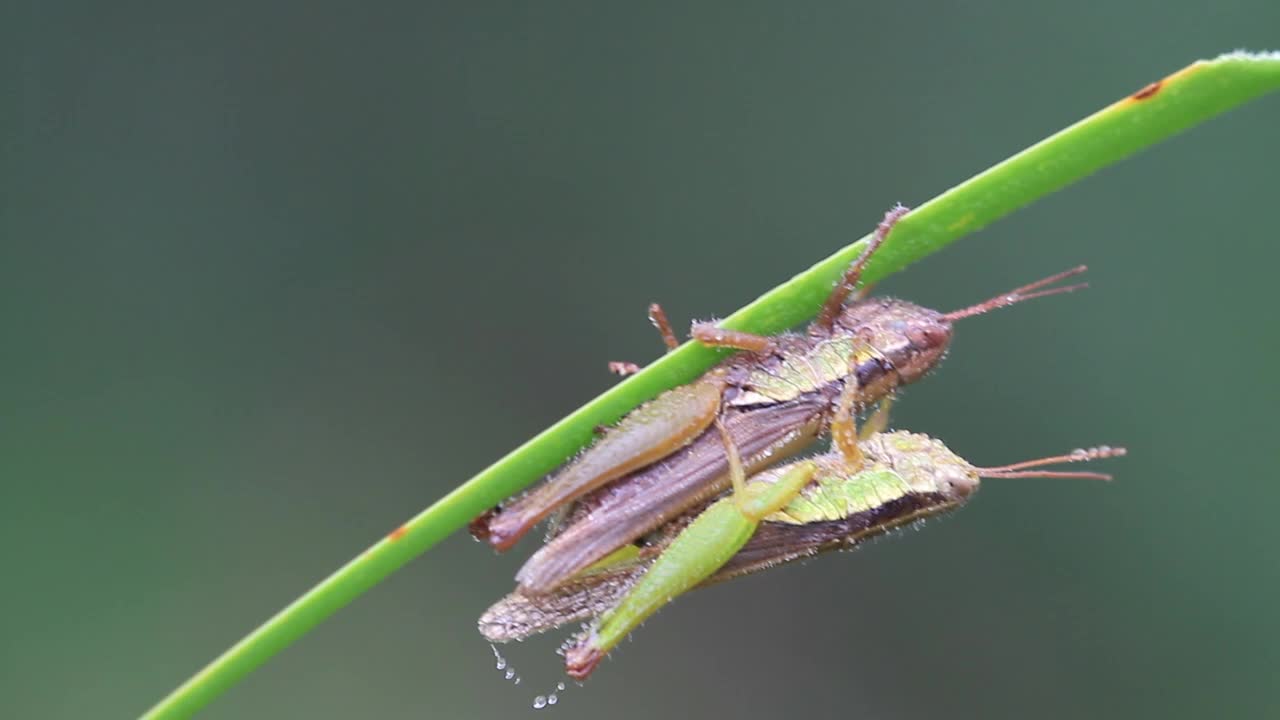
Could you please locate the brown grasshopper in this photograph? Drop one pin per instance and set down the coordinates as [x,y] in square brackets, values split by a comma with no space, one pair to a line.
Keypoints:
[773,400]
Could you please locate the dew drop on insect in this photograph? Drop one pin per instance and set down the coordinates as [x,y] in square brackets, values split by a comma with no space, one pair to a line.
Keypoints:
[500,663]
[539,702]
[552,699]
[1079,454]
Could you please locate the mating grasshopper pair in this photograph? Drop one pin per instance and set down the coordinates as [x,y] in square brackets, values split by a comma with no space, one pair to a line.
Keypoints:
[787,513]
[668,459]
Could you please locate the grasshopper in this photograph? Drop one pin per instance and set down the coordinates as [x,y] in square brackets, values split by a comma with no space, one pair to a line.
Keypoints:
[865,486]
[772,400]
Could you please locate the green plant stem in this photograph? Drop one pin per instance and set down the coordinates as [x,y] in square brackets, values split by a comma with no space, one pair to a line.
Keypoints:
[1189,96]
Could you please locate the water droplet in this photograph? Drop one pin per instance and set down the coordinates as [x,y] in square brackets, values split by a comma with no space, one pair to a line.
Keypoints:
[500,663]
[552,699]
[560,687]
[539,702]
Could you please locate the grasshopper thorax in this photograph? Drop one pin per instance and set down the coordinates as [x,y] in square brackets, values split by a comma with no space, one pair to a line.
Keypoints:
[884,342]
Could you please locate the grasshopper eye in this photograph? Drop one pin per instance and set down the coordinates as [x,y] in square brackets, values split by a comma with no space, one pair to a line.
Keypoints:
[928,336]
[956,482]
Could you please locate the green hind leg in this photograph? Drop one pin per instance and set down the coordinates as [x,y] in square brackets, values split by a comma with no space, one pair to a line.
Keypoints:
[695,554]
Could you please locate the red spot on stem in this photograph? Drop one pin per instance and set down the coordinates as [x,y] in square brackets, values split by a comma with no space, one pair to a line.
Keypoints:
[397,533]
[1148,91]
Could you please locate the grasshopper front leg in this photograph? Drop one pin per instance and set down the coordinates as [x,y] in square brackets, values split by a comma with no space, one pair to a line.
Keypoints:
[696,554]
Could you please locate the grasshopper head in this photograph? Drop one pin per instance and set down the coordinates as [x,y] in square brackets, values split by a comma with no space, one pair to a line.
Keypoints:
[957,480]
[927,465]
[927,336]
[911,339]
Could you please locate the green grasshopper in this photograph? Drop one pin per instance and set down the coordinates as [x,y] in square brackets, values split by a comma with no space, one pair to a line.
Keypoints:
[864,487]
[773,401]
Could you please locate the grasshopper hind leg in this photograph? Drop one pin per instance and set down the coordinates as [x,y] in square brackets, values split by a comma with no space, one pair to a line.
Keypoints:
[701,548]
[648,434]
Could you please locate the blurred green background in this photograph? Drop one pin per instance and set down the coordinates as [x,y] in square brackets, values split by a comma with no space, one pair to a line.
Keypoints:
[275,278]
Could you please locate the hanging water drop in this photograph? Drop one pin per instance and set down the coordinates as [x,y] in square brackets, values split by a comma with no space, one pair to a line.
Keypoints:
[501,664]
[539,702]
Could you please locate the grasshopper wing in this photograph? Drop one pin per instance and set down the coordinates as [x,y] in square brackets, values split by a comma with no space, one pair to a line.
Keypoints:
[519,616]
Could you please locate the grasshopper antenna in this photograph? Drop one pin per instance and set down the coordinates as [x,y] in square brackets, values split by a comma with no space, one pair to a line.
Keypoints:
[1017,295]
[1026,468]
